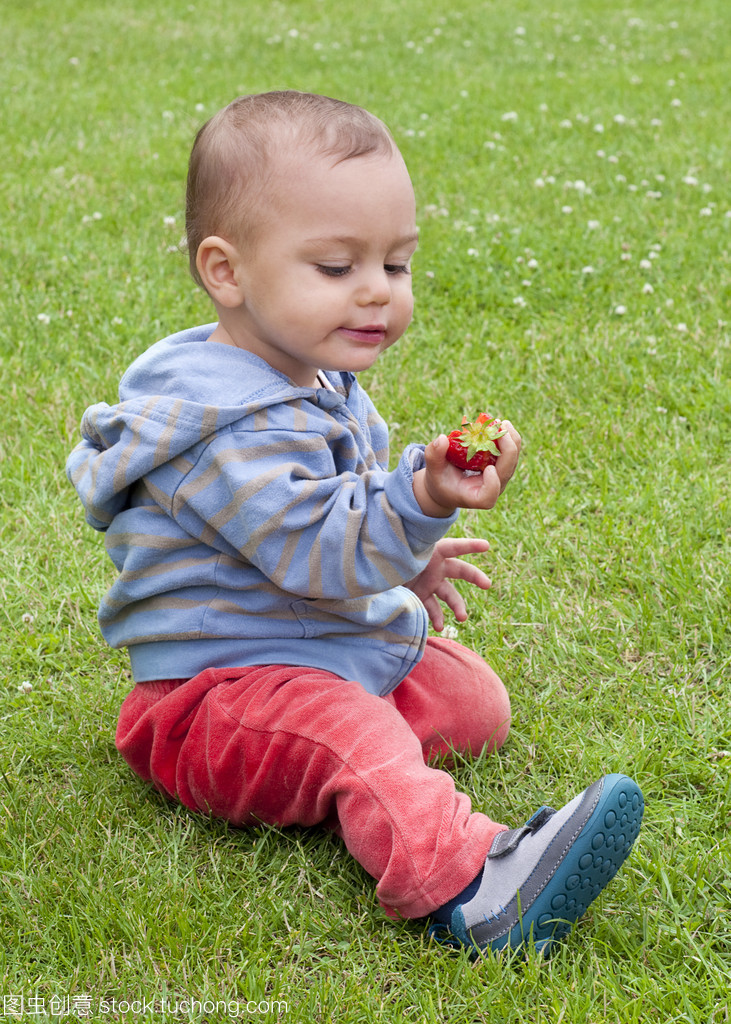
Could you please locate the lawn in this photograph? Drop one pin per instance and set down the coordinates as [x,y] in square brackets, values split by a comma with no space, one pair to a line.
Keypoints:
[571,169]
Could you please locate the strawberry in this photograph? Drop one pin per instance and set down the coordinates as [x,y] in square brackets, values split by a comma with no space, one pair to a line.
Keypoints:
[473,447]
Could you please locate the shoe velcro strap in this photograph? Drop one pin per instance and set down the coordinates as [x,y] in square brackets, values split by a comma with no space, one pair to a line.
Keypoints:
[508,840]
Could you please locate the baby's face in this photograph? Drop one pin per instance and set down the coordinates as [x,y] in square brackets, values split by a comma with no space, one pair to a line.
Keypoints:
[327,284]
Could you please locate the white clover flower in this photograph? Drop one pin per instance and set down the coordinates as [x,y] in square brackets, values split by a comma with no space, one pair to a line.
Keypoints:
[599,128]
[43,318]
[619,310]
[565,123]
[645,264]
[647,288]
[117,321]
[567,209]
[601,154]
[532,264]
[593,225]
[681,328]
[519,301]
[707,211]
[690,179]
[620,119]
[473,252]
[511,115]
[626,257]
[587,270]
[26,687]
[539,183]
[450,633]
[676,103]
[661,409]
[620,178]
[169,222]
[520,31]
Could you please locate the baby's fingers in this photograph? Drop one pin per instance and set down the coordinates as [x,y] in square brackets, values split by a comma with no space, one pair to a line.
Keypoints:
[509,444]
[453,599]
[457,569]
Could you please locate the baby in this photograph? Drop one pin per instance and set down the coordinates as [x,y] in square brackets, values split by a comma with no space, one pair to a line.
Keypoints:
[276,579]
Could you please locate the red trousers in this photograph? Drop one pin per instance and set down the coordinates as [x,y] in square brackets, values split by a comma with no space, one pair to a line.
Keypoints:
[286,745]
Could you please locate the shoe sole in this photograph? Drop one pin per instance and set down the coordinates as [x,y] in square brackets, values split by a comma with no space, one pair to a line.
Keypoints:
[591,863]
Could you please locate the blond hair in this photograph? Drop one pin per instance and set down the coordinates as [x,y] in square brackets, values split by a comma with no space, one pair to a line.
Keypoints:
[235,155]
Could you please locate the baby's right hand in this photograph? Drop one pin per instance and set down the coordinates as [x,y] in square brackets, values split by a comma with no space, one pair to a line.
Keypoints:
[440,487]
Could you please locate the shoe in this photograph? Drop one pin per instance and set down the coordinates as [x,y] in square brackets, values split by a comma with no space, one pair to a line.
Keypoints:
[539,879]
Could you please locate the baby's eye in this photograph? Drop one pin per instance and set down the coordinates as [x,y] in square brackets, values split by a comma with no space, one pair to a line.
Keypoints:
[329,271]
[397,268]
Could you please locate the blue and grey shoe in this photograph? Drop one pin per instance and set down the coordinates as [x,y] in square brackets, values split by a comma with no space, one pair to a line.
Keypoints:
[539,879]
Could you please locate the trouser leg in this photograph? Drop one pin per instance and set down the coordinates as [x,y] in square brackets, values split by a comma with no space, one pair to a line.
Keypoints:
[287,745]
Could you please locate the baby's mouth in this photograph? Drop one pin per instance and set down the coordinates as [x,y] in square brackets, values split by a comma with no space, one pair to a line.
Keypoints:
[373,334]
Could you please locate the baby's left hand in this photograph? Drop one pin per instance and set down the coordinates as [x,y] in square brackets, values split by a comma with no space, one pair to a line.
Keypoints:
[432,584]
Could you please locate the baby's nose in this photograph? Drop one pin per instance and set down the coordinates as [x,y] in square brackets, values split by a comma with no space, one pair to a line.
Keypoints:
[375,288]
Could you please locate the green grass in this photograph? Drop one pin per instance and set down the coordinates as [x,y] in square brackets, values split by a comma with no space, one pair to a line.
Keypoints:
[609,614]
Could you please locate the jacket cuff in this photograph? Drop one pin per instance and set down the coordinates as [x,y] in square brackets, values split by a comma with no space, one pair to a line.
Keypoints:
[421,531]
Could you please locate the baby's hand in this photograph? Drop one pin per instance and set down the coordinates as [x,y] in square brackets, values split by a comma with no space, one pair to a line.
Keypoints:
[440,487]
[432,584]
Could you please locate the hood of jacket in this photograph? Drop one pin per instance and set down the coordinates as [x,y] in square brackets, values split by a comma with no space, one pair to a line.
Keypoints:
[164,409]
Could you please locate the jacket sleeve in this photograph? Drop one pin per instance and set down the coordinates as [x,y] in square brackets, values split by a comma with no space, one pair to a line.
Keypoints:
[281,502]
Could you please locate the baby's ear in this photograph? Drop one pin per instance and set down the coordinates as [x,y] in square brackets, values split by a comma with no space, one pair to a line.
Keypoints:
[216,261]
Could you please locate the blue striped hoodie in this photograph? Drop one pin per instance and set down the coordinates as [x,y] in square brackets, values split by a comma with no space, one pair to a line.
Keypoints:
[252,521]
